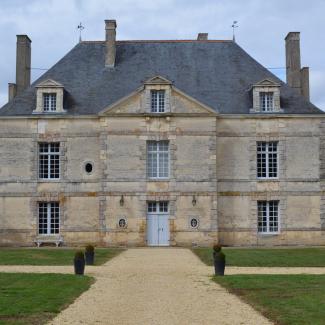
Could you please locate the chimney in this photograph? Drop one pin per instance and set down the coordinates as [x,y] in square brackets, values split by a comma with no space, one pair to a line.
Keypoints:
[296,77]
[110,28]
[12,90]
[304,80]
[23,62]
[202,36]
[293,59]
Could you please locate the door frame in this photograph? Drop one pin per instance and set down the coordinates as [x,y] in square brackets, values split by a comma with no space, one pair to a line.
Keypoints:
[157,212]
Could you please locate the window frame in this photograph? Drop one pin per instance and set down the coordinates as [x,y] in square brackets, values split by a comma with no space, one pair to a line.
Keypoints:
[268,232]
[264,99]
[267,153]
[49,218]
[160,207]
[157,153]
[52,98]
[155,103]
[49,154]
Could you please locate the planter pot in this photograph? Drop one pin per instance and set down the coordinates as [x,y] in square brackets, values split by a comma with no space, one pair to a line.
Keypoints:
[79,267]
[90,258]
[219,263]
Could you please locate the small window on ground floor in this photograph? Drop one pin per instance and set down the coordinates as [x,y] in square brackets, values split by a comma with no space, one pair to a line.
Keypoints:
[268,217]
[48,218]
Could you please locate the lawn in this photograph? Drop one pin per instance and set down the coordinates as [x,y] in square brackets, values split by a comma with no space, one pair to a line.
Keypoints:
[50,256]
[267,256]
[285,299]
[36,298]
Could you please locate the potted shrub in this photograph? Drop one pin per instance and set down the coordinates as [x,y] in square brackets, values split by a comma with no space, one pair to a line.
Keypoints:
[90,254]
[219,259]
[79,263]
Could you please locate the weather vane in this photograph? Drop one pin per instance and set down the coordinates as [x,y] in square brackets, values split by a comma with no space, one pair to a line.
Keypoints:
[81,28]
[234,25]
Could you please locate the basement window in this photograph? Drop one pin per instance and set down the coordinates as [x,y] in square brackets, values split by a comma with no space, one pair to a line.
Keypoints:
[194,223]
[122,223]
[88,168]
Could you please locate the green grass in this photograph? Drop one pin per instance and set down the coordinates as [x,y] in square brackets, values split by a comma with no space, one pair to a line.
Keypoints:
[50,256]
[285,299]
[36,298]
[267,256]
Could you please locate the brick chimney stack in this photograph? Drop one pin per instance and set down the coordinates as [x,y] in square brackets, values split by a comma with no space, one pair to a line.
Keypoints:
[296,77]
[110,28]
[23,63]
[202,36]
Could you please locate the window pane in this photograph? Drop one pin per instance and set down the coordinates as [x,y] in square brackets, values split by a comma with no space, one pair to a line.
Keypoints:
[268,216]
[49,160]
[48,218]
[157,101]
[152,207]
[266,101]
[49,102]
[163,206]
[157,159]
[267,160]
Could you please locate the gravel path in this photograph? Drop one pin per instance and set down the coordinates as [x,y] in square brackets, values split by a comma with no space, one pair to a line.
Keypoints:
[157,287]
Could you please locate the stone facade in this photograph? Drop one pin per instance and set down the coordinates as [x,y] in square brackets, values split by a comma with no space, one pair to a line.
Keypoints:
[212,159]
[99,110]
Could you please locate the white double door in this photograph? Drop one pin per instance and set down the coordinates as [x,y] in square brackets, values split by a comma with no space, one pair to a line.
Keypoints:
[158,230]
[157,225]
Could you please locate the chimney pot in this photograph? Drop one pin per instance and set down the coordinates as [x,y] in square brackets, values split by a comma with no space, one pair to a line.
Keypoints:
[110,28]
[202,36]
[23,63]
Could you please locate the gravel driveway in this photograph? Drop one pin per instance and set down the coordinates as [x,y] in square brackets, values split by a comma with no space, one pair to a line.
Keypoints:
[157,286]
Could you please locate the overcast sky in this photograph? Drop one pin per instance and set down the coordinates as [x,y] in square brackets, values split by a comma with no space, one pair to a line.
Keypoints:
[52,26]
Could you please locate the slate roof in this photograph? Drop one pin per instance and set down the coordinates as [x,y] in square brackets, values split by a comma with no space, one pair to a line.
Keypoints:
[217,73]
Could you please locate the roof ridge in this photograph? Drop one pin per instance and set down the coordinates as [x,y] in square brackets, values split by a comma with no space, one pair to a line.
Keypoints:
[161,41]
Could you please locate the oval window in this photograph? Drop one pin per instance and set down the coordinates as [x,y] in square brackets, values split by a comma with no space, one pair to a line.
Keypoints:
[89,168]
[194,223]
[122,223]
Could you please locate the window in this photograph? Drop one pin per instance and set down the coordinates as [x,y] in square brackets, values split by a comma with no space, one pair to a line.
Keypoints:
[48,218]
[158,159]
[49,102]
[158,207]
[49,160]
[88,168]
[194,222]
[267,159]
[157,101]
[268,216]
[266,101]
[122,223]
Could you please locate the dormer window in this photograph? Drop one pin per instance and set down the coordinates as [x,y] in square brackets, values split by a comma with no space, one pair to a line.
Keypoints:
[157,95]
[266,97]
[157,101]
[49,97]
[49,102]
[266,101]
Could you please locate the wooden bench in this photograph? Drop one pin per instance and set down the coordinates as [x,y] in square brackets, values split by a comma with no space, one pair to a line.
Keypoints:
[57,240]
